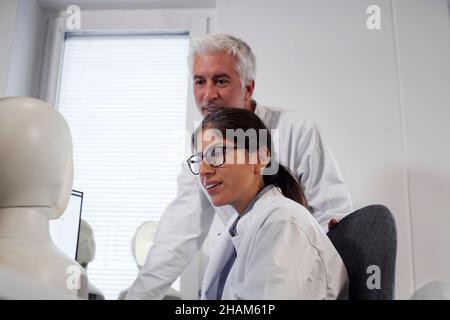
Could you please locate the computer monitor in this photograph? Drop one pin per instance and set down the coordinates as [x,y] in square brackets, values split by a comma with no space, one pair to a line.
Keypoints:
[65,230]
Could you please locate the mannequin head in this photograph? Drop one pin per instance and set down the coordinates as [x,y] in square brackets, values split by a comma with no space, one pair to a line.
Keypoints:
[36,164]
[143,241]
[86,244]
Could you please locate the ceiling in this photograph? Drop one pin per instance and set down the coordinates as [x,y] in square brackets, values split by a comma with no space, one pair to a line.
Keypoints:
[58,5]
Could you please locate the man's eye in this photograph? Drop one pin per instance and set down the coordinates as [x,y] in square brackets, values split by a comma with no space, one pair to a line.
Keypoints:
[222,82]
[199,82]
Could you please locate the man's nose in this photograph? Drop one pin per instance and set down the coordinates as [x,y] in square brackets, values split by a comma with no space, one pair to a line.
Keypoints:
[211,91]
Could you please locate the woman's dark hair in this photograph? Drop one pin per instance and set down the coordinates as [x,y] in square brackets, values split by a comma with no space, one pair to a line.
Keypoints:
[227,118]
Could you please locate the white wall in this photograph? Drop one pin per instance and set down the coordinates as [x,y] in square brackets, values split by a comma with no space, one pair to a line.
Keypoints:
[370,97]
[58,5]
[26,54]
[8,11]
[423,43]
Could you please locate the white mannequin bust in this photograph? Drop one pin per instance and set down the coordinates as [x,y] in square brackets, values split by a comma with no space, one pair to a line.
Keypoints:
[36,174]
[86,254]
[434,290]
[140,246]
[143,241]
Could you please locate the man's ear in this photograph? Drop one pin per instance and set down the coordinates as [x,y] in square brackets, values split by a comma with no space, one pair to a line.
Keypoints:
[249,88]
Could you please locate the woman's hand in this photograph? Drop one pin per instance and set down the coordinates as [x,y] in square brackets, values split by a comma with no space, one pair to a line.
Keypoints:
[333,222]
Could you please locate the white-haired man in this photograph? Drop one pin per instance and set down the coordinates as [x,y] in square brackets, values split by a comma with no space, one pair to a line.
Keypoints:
[223,70]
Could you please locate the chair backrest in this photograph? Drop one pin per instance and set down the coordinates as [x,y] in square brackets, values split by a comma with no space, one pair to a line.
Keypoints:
[367,242]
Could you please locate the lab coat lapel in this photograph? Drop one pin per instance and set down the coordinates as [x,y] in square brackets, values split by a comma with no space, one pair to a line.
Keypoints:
[247,224]
[224,249]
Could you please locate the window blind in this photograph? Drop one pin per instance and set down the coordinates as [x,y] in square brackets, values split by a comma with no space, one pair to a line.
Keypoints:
[124,98]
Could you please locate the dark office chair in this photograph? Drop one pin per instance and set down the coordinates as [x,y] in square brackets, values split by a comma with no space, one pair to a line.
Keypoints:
[367,238]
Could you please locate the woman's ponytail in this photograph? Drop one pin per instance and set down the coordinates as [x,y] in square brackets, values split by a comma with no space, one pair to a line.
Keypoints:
[288,184]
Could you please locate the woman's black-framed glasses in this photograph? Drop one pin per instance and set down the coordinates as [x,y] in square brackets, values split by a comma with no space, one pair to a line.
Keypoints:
[214,156]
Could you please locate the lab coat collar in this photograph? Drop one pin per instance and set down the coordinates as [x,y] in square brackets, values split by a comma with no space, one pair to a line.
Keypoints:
[232,229]
[246,222]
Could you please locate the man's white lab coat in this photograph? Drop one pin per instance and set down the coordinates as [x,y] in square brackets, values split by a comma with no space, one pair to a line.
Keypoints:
[187,219]
[282,253]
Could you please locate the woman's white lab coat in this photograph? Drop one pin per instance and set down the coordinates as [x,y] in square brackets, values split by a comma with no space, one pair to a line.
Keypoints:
[282,253]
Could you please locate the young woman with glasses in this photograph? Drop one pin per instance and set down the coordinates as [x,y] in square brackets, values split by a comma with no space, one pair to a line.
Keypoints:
[272,248]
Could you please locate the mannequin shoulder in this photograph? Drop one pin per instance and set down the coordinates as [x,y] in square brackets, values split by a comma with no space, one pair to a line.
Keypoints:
[45,263]
[67,274]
